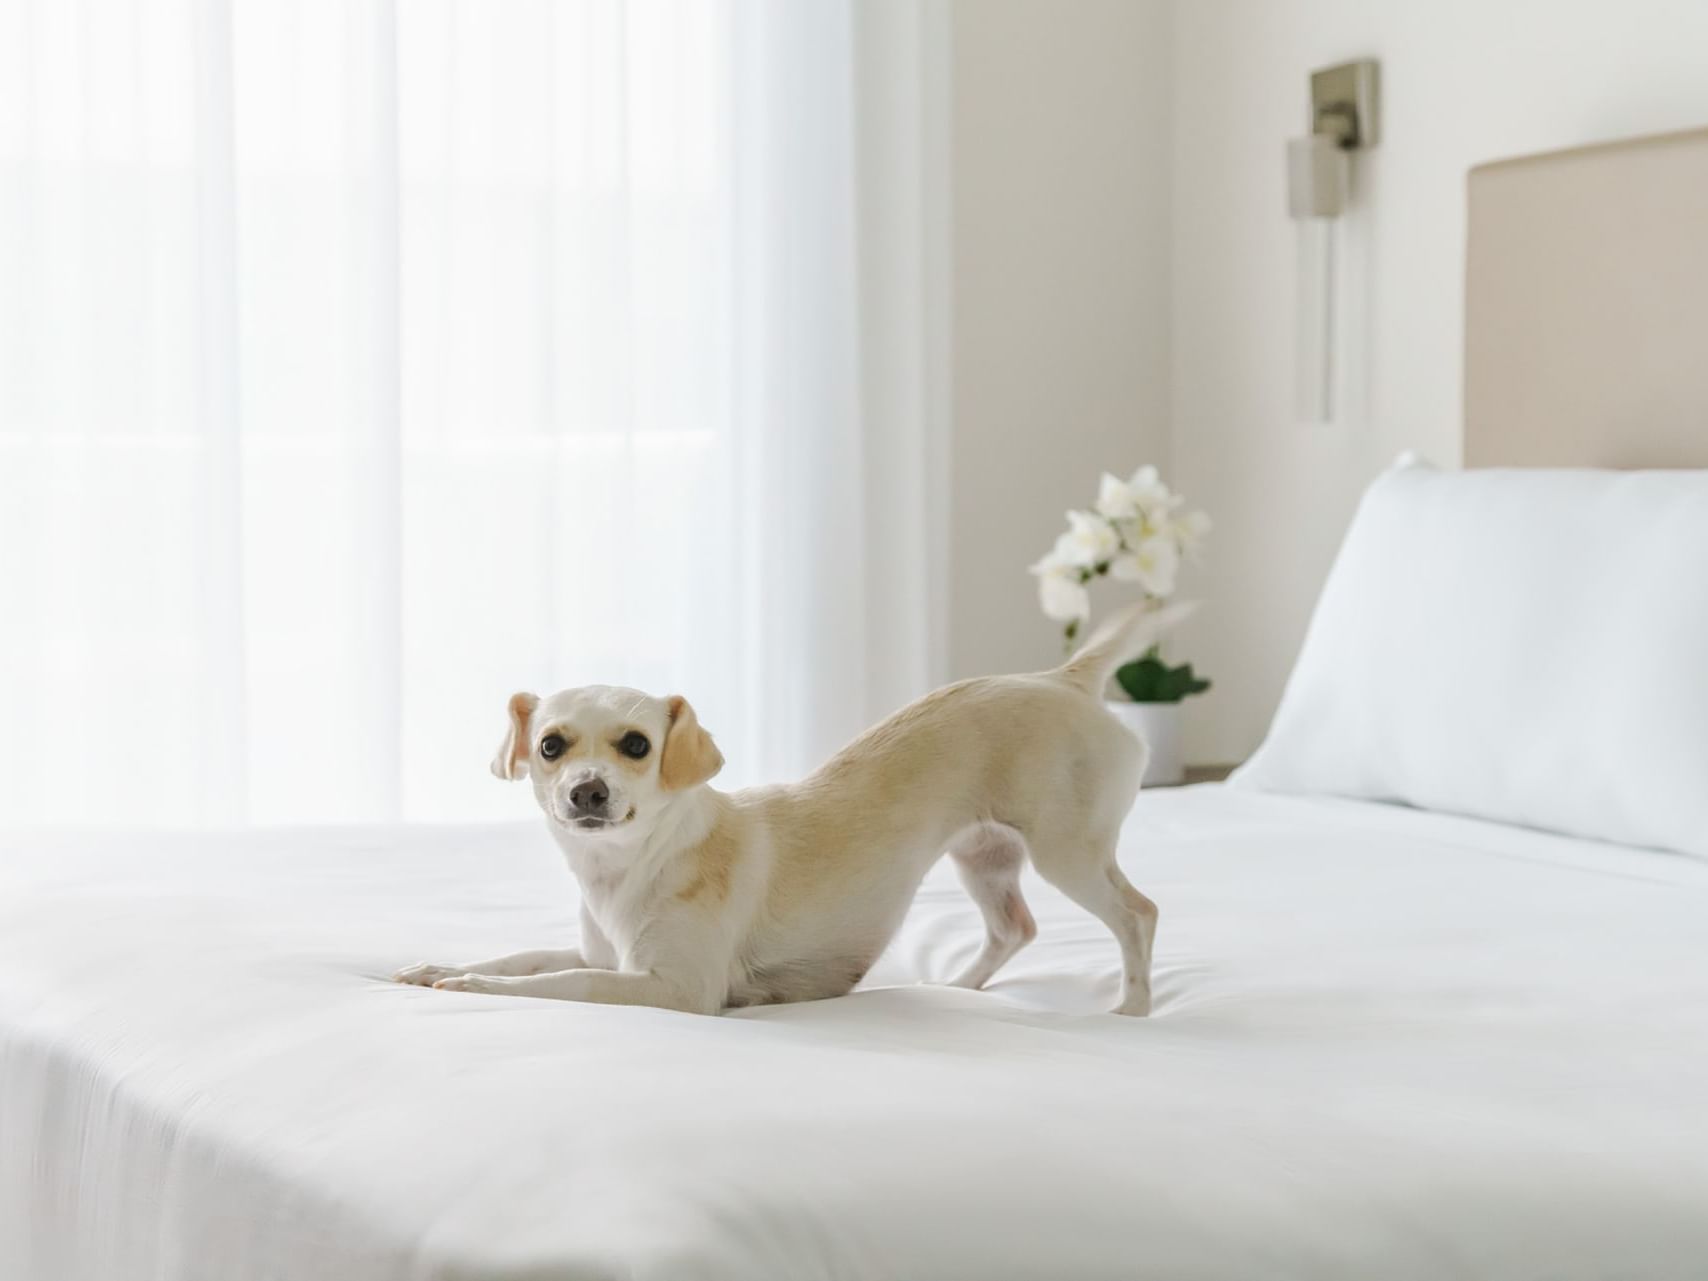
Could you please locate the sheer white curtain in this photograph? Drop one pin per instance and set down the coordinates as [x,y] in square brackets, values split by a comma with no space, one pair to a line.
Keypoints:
[362,362]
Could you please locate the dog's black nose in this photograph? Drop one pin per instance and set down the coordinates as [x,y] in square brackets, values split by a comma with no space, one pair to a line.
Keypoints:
[589,797]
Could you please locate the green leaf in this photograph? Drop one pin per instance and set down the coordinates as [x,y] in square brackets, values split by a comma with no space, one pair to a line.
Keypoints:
[1150,680]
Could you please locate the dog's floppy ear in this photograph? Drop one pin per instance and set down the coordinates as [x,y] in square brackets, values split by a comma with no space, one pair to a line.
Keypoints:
[689,757]
[512,759]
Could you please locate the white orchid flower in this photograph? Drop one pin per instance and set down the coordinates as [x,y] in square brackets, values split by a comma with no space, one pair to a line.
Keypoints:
[1089,542]
[1063,597]
[1153,564]
[1148,492]
[1116,499]
[1138,531]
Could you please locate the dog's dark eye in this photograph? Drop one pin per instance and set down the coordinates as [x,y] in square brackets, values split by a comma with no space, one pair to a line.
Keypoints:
[634,745]
[552,745]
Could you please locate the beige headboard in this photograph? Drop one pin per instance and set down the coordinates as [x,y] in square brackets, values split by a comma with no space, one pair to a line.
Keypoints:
[1586,307]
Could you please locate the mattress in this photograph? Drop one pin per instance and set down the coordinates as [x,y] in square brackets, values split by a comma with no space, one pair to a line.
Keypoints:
[1386,1043]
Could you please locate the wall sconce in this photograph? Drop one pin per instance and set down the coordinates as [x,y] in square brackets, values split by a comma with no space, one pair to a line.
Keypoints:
[1343,120]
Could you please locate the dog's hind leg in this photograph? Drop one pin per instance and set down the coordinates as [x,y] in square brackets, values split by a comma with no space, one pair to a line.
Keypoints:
[989,858]
[1089,875]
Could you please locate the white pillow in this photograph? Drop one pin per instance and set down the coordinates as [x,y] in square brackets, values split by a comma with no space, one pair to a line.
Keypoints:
[1524,646]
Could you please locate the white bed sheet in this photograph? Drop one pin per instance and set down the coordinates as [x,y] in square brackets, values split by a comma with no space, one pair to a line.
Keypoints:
[1386,1044]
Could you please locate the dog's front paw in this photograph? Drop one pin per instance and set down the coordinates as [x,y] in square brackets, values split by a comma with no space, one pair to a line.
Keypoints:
[425,975]
[471,983]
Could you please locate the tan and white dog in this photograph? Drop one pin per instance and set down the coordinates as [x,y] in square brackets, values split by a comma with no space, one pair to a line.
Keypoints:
[694,899]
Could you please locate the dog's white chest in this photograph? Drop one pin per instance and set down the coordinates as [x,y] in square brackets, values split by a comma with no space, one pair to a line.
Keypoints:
[620,896]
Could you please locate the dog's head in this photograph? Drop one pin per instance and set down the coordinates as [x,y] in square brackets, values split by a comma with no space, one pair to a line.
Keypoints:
[605,760]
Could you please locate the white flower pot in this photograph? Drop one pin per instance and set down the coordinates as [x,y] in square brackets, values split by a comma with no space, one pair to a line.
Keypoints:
[1157,725]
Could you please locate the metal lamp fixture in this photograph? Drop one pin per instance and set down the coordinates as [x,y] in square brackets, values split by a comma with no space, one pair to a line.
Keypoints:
[1342,120]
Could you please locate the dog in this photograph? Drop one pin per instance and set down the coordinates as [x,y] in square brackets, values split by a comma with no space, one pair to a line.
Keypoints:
[699,900]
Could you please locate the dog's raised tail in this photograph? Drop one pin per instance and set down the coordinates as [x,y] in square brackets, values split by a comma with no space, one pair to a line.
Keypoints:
[1118,639]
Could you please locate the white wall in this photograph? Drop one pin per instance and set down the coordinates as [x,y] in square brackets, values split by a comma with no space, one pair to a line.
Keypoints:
[1059,291]
[1463,81]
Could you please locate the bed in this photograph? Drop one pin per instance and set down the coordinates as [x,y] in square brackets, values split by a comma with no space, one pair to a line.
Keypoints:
[1387,1041]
